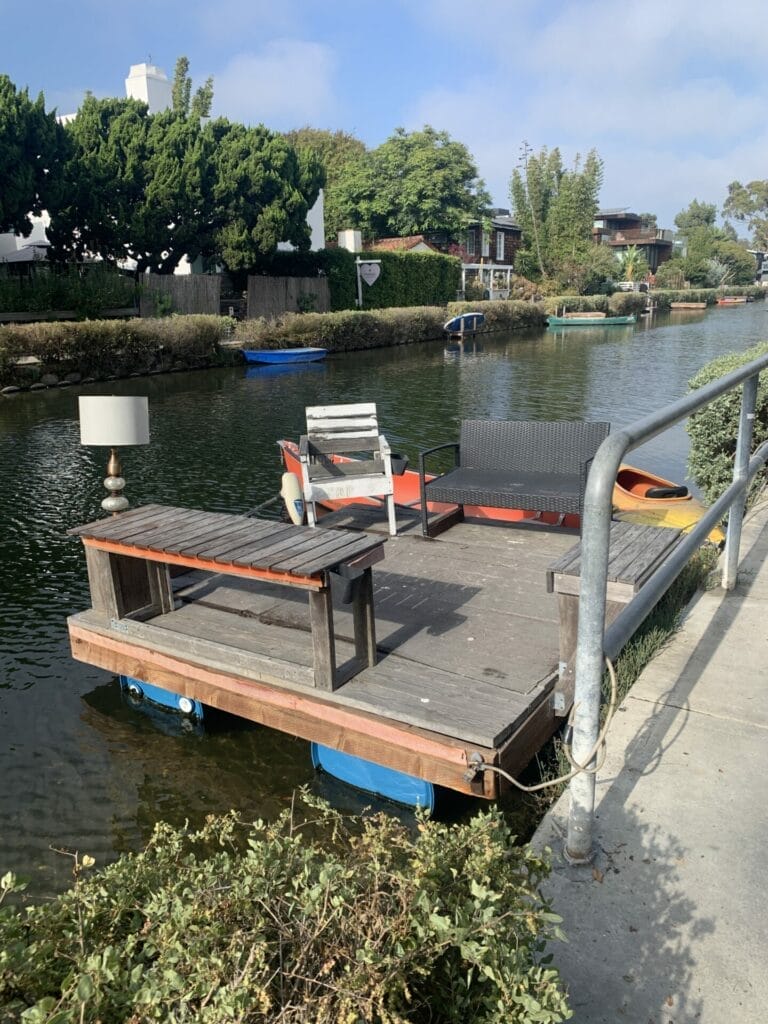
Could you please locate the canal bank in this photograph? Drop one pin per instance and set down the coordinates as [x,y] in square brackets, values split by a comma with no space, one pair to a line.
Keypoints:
[668,924]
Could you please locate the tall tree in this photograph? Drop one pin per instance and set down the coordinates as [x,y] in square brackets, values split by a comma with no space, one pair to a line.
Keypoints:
[154,188]
[32,150]
[183,103]
[265,188]
[555,208]
[413,182]
[750,203]
[696,215]
[337,152]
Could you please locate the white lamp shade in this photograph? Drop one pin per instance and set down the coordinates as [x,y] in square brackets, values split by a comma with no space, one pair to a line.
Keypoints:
[114,420]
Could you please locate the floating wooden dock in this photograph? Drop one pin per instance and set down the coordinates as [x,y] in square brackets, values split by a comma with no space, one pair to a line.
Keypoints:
[466,634]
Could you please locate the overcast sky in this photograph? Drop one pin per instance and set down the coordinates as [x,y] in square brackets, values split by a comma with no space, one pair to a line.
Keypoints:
[672,93]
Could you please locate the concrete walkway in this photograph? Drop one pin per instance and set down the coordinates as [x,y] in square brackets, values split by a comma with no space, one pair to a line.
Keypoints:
[670,925]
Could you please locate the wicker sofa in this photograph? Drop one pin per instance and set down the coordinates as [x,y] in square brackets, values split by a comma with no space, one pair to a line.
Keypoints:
[540,466]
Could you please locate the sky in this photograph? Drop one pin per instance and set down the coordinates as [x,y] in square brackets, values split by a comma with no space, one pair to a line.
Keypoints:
[673,94]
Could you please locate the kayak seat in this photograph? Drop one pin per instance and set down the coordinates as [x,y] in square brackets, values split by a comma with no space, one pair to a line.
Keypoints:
[531,465]
[667,492]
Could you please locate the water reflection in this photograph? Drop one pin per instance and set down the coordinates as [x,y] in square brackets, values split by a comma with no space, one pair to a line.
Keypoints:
[82,769]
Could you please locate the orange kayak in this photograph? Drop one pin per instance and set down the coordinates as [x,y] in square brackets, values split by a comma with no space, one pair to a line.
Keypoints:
[638,496]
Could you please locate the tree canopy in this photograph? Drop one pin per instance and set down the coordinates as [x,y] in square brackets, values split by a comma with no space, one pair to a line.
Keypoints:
[156,187]
[696,215]
[750,203]
[31,150]
[413,182]
[555,208]
[337,152]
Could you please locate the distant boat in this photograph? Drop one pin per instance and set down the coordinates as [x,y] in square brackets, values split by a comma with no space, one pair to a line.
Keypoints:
[731,300]
[464,323]
[687,305]
[283,355]
[589,320]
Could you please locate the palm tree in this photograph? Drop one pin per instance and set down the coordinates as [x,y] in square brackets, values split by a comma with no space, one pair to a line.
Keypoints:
[634,264]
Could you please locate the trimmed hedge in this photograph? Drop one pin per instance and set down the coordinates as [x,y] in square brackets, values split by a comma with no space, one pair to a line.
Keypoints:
[99,348]
[283,922]
[618,304]
[344,331]
[714,429]
[663,297]
[87,291]
[407,278]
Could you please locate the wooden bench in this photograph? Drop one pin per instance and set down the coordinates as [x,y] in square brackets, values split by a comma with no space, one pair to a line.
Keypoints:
[129,555]
[635,553]
[539,466]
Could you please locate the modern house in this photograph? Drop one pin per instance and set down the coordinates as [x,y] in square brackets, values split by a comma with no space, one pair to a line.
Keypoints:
[407,243]
[621,230]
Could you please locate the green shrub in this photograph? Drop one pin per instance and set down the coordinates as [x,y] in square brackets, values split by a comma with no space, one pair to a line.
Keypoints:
[98,348]
[346,330]
[713,430]
[617,304]
[407,278]
[86,290]
[291,923]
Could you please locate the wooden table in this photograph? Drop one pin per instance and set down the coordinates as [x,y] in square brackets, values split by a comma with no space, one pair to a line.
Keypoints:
[129,557]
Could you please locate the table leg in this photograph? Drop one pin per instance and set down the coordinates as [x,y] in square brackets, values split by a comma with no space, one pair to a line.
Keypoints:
[363,617]
[323,644]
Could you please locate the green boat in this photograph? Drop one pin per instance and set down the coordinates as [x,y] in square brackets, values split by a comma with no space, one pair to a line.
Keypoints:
[586,320]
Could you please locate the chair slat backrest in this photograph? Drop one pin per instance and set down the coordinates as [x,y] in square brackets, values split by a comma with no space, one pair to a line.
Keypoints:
[343,428]
[558,446]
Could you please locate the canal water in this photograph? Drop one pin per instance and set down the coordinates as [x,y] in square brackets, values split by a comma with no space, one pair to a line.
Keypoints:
[82,770]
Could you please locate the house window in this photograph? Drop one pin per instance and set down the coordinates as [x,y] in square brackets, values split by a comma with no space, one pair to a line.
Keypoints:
[499,246]
[486,245]
[471,242]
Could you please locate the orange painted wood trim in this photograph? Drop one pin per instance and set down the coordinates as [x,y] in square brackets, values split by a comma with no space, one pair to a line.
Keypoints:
[332,714]
[207,564]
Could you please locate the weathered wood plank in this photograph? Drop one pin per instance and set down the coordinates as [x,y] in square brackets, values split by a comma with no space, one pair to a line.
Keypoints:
[404,748]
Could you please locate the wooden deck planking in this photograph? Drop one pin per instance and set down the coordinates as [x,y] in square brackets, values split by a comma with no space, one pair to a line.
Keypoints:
[467,632]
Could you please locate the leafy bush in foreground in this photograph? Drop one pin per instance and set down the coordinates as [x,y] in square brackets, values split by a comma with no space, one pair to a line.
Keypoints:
[713,430]
[288,923]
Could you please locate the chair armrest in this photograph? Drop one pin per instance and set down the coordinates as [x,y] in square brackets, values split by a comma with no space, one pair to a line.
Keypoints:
[304,448]
[438,448]
[384,446]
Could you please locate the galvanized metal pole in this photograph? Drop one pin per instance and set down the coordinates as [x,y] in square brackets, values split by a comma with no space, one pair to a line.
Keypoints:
[595,537]
[740,472]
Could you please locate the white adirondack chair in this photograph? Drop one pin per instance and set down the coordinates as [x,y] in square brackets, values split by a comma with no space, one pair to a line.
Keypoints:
[347,430]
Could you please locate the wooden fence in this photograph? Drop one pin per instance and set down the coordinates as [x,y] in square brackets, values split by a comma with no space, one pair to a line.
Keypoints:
[270,296]
[180,293]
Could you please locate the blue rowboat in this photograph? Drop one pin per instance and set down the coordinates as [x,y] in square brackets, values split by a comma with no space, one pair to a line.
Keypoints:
[283,355]
[464,323]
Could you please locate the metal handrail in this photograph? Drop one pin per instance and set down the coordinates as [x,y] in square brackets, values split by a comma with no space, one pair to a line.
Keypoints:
[593,640]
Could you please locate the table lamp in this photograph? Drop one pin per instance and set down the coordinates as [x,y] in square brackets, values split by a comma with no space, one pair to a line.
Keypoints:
[111,421]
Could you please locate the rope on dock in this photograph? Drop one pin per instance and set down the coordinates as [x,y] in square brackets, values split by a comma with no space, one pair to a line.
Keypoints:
[477,764]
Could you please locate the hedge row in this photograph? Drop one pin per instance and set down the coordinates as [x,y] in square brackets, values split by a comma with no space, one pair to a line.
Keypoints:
[85,290]
[349,330]
[714,429]
[618,304]
[99,348]
[407,278]
[662,298]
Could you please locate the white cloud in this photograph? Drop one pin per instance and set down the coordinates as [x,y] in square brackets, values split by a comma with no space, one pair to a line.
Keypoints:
[670,93]
[287,84]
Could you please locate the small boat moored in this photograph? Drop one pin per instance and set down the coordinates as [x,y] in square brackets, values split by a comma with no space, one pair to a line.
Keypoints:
[464,323]
[687,305]
[731,300]
[590,320]
[283,355]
